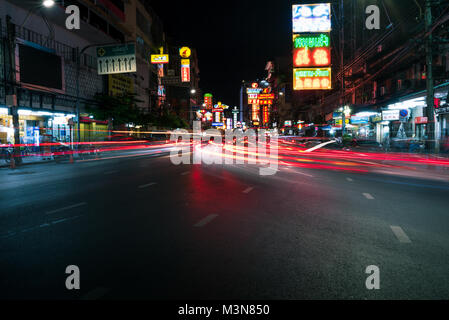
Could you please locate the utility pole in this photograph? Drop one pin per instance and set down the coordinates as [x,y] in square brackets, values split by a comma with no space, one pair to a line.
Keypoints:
[78,122]
[431,143]
[342,66]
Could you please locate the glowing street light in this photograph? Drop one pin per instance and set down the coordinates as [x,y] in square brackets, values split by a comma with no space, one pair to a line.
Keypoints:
[193,91]
[48,3]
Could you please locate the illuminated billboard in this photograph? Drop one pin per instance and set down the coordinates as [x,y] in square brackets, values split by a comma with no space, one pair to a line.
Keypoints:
[312,79]
[185,70]
[312,17]
[311,50]
[311,47]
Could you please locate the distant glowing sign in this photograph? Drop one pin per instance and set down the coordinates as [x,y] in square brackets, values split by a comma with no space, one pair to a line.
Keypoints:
[254,85]
[185,52]
[312,18]
[312,79]
[253,90]
[390,115]
[288,123]
[266,114]
[185,70]
[266,96]
[255,112]
[321,40]
[159,58]
[208,100]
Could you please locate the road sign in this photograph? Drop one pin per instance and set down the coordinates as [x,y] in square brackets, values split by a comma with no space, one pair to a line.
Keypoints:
[116,59]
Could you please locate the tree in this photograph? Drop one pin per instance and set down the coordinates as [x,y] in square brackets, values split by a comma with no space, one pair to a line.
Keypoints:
[120,109]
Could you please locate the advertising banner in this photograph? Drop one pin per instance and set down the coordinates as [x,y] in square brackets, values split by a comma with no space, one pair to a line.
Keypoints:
[159,58]
[312,78]
[312,18]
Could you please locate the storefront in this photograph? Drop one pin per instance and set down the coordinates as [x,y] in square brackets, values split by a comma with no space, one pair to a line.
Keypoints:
[93,130]
[6,127]
[362,126]
[36,127]
[443,121]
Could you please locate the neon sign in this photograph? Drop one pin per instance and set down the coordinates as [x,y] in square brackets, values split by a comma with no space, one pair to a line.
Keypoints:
[312,79]
[255,112]
[208,100]
[311,40]
[312,18]
[266,115]
[253,90]
[159,58]
[305,57]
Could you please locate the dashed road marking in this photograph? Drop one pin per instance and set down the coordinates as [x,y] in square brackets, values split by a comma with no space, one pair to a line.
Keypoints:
[43,225]
[349,179]
[368,196]
[111,172]
[304,174]
[67,208]
[205,221]
[185,173]
[400,234]
[147,185]
[95,294]
[248,190]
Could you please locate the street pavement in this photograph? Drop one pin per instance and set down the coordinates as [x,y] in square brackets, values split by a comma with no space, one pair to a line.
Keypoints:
[138,226]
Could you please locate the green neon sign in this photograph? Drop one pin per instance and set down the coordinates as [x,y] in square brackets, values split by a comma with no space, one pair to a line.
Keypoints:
[312,73]
[311,41]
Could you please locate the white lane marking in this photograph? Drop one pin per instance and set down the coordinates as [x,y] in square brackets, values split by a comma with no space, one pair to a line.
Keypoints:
[304,174]
[185,173]
[43,225]
[95,294]
[67,208]
[205,220]
[248,190]
[349,179]
[400,234]
[320,146]
[368,196]
[110,172]
[65,219]
[147,185]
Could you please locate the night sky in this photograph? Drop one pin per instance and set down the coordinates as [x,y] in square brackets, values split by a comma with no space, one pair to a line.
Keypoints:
[234,39]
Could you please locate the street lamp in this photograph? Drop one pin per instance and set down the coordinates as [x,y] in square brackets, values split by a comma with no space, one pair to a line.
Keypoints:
[192,92]
[48,3]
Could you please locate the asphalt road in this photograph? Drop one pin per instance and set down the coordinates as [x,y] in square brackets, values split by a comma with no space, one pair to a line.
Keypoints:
[141,227]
